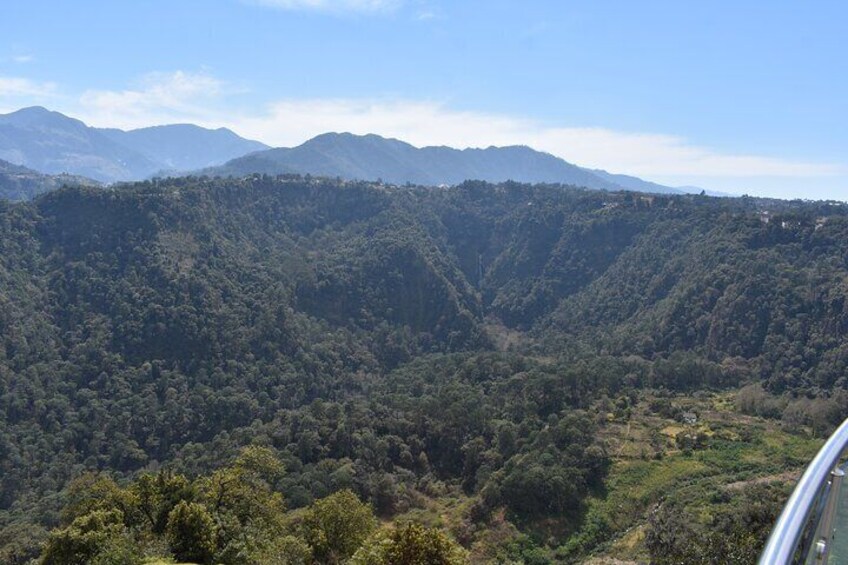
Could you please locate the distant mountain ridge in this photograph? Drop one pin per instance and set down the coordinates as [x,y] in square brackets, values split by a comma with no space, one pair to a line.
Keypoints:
[52,143]
[635,183]
[371,157]
[183,147]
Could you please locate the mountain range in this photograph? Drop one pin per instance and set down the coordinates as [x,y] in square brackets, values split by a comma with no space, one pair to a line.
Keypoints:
[51,143]
[371,157]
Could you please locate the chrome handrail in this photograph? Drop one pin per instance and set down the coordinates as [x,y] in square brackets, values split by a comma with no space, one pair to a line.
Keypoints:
[782,546]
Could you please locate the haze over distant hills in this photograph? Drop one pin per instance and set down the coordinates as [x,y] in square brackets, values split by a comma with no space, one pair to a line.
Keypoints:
[21,183]
[50,142]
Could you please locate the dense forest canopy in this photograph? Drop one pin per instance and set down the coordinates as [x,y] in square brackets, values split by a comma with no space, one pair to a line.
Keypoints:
[395,341]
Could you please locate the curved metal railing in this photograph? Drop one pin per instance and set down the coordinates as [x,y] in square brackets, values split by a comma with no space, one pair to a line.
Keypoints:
[805,530]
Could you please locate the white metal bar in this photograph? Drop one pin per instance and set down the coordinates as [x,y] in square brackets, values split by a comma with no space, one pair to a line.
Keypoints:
[786,534]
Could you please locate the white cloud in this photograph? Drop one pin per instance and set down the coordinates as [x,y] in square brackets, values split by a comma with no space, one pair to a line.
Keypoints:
[289,122]
[159,98]
[333,6]
[17,87]
[20,59]
[17,92]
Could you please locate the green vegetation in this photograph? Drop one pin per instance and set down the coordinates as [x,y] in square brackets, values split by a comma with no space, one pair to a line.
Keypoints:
[664,499]
[410,544]
[231,517]
[337,525]
[506,363]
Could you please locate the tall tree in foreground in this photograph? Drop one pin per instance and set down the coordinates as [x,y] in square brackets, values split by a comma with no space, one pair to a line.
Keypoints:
[410,544]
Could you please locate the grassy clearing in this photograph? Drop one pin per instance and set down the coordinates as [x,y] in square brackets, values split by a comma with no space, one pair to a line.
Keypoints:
[739,450]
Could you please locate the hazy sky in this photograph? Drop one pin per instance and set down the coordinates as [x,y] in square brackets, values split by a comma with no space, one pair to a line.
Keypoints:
[742,96]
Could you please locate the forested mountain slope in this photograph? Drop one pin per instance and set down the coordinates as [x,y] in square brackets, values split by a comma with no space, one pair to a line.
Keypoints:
[353,328]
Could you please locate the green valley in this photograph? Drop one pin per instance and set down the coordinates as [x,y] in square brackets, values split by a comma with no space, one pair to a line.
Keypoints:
[499,373]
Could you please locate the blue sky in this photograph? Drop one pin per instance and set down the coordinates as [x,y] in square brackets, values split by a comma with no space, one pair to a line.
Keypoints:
[743,96]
